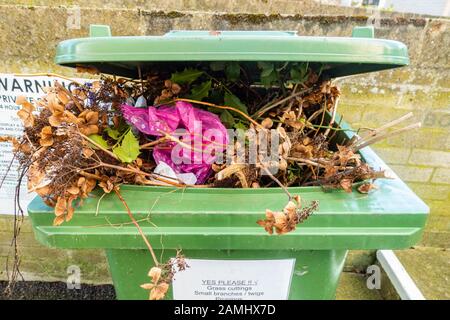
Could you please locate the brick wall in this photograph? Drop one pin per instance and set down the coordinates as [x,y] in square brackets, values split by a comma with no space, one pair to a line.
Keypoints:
[421,158]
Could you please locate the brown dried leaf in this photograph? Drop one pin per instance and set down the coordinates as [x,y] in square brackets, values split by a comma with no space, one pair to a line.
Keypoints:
[58,220]
[267,223]
[330,171]
[61,206]
[46,136]
[53,103]
[285,221]
[88,122]
[87,69]
[25,114]
[43,191]
[295,124]
[70,209]
[88,152]
[147,286]
[155,274]
[267,123]
[366,187]
[138,162]
[346,184]
[74,190]
[157,289]
[92,117]
[50,202]
[63,97]
[159,292]
[345,154]
[55,120]
[35,177]
[175,89]
[106,185]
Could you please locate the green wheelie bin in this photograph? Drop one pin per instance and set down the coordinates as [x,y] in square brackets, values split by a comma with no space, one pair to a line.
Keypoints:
[230,256]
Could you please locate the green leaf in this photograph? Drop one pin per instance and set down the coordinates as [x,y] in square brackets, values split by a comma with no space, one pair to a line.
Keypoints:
[268,80]
[268,73]
[241,129]
[227,118]
[200,91]
[186,77]
[217,66]
[98,139]
[232,71]
[113,133]
[128,150]
[322,67]
[241,126]
[232,101]
[267,69]
[299,73]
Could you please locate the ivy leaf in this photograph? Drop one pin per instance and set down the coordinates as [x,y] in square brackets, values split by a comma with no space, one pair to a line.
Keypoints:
[128,150]
[200,91]
[266,68]
[98,139]
[268,73]
[113,133]
[232,101]
[232,71]
[227,118]
[186,77]
[299,73]
[217,66]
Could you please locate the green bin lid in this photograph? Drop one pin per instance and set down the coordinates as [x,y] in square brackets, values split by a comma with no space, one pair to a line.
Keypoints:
[339,56]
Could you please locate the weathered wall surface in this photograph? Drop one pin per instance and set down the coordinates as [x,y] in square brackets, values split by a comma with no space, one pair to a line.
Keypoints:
[30,32]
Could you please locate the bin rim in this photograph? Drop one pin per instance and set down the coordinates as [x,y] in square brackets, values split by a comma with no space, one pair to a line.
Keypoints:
[342,56]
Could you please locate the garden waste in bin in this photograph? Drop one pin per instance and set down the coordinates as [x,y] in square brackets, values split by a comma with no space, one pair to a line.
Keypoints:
[229,255]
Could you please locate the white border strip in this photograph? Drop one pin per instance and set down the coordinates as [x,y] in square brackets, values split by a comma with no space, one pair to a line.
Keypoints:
[400,279]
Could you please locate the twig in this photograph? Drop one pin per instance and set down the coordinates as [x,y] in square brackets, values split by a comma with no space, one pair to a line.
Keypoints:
[75,100]
[373,175]
[306,161]
[181,143]
[140,79]
[264,168]
[317,163]
[324,111]
[98,203]
[221,107]
[149,246]
[90,175]
[359,139]
[375,132]
[386,135]
[271,105]
[152,175]
[230,170]
[98,146]
[333,117]
[153,143]
[43,74]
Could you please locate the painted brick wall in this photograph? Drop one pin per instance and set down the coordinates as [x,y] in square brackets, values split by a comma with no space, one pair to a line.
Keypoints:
[421,158]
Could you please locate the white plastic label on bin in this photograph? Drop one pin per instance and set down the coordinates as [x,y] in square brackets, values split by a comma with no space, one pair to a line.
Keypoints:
[234,280]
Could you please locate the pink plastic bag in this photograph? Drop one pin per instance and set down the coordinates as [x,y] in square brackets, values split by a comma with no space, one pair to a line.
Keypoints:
[203,137]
